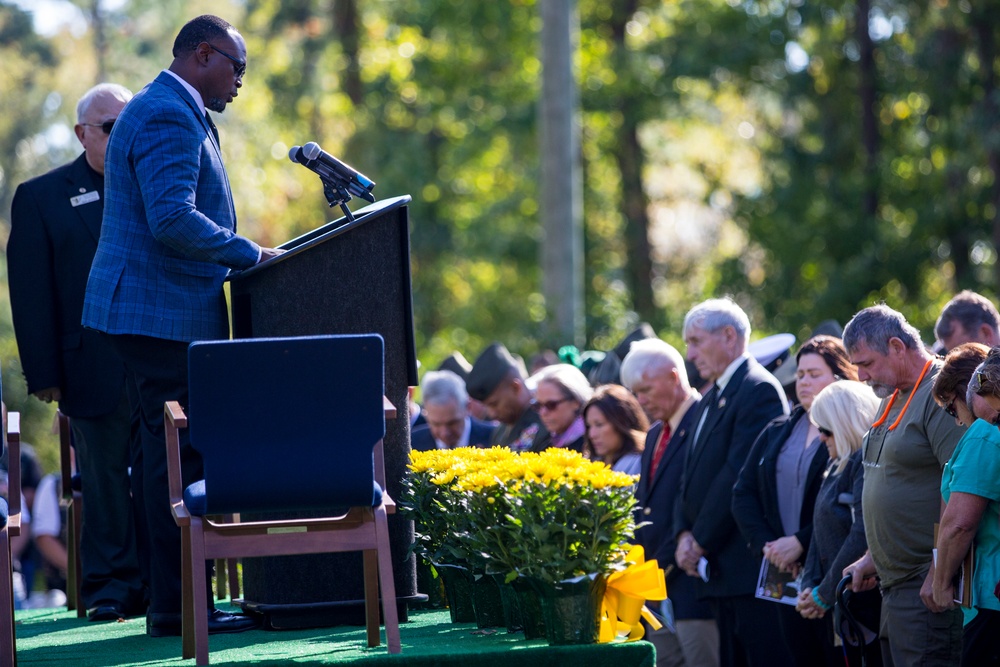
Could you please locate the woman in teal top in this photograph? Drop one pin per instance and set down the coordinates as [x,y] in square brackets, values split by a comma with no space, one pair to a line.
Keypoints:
[970,485]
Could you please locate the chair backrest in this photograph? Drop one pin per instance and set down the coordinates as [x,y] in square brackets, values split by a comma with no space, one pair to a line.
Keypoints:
[287,424]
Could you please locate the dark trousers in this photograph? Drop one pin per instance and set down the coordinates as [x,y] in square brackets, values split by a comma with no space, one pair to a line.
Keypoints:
[912,635]
[981,640]
[808,640]
[108,553]
[748,633]
[158,368]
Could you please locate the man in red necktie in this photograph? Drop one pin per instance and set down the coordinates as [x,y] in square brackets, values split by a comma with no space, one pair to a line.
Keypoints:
[654,371]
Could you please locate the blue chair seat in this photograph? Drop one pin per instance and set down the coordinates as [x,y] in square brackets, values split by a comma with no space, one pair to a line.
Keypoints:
[196,502]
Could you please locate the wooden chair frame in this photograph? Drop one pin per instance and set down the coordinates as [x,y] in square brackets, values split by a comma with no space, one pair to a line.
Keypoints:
[8,641]
[360,529]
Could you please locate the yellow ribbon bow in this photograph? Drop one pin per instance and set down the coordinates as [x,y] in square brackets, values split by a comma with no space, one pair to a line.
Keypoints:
[625,598]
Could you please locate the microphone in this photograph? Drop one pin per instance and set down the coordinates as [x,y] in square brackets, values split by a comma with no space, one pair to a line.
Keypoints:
[332,170]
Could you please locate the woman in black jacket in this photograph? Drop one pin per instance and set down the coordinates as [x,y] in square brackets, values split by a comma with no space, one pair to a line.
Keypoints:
[774,495]
[843,413]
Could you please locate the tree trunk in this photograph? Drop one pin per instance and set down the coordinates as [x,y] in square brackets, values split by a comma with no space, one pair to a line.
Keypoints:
[100,41]
[561,196]
[986,40]
[345,26]
[631,160]
[869,116]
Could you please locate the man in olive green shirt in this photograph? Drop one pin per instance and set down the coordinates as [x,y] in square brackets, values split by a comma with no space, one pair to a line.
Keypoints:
[903,454]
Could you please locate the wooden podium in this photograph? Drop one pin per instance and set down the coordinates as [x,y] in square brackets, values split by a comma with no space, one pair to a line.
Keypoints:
[346,277]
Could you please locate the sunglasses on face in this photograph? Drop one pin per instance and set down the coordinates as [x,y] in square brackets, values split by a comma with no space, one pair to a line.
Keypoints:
[950,409]
[105,126]
[825,432]
[547,406]
[239,66]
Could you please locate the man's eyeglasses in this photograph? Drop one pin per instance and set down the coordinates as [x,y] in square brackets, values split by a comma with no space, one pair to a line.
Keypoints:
[105,126]
[825,432]
[547,406]
[239,66]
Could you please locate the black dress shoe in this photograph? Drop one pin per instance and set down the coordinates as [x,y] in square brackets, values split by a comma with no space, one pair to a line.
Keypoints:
[109,611]
[219,622]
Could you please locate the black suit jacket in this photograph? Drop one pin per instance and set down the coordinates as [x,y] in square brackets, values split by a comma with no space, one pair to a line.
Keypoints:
[755,496]
[51,246]
[751,399]
[656,495]
[479,436]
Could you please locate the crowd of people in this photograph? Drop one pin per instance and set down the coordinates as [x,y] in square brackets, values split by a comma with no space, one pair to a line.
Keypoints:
[870,478]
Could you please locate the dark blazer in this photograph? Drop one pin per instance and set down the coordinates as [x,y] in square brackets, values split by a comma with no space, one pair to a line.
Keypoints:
[51,246]
[751,399]
[169,229]
[526,434]
[656,495]
[479,436]
[755,496]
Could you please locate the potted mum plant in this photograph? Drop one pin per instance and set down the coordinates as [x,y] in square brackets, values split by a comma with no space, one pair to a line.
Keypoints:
[557,522]
[429,499]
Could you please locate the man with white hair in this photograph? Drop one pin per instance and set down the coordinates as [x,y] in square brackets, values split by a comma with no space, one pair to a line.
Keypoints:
[55,225]
[742,399]
[654,371]
[446,411]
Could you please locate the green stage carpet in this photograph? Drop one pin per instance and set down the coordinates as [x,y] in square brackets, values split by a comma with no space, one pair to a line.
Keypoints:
[58,637]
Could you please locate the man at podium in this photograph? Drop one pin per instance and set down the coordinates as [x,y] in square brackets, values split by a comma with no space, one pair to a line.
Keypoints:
[167,243]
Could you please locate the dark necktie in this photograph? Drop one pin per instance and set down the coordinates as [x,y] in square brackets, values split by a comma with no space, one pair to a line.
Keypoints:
[661,447]
[215,130]
[709,400]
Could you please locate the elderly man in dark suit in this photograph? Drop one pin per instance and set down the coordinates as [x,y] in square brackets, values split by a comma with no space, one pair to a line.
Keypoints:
[448,422]
[55,225]
[168,241]
[741,400]
[654,371]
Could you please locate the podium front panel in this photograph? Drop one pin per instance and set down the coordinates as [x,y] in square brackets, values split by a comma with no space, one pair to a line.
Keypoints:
[344,278]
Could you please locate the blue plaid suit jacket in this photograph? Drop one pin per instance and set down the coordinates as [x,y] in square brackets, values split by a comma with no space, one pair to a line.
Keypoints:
[169,230]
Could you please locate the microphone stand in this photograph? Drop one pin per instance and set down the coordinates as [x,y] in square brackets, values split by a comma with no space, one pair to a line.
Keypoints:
[337,194]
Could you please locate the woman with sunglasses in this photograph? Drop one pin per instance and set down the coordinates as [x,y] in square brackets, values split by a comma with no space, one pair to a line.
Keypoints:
[616,429]
[970,488]
[952,381]
[561,391]
[774,494]
[842,413]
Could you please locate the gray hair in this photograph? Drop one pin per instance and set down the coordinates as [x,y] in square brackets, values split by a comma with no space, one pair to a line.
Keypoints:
[114,90]
[970,310]
[715,314]
[975,386]
[570,380]
[440,387]
[875,325]
[648,356]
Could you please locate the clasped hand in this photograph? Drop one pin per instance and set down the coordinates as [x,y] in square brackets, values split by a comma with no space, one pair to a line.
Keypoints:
[784,554]
[688,553]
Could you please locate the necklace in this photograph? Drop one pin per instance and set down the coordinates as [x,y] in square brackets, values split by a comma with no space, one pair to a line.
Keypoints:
[899,418]
[895,394]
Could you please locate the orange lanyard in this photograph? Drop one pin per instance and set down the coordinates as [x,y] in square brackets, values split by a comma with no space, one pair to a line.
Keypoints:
[892,399]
